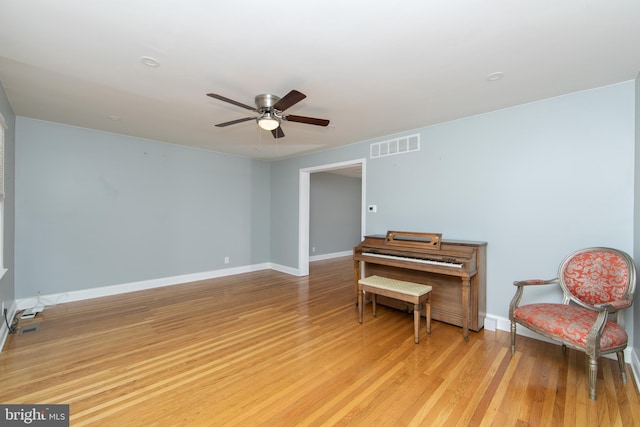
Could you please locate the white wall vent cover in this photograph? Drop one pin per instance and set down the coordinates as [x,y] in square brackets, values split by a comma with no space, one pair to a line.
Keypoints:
[401,145]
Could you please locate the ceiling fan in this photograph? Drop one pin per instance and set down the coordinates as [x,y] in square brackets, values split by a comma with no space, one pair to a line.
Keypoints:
[270,111]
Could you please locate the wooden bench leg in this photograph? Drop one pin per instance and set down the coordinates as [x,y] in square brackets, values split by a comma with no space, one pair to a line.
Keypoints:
[374,300]
[416,323]
[428,313]
[419,295]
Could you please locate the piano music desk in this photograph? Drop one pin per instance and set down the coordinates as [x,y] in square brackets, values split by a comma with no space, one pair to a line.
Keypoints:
[398,289]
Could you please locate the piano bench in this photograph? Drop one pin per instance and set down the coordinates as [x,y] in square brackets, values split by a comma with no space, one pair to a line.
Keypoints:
[397,289]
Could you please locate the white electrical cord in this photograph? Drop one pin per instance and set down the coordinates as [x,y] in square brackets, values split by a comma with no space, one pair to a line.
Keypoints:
[41,304]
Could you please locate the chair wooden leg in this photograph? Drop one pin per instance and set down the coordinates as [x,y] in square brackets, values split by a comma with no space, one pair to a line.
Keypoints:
[513,337]
[360,305]
[623,366]
[593,374]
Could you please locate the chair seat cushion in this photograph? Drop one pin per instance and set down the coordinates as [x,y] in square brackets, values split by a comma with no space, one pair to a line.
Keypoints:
[570,323]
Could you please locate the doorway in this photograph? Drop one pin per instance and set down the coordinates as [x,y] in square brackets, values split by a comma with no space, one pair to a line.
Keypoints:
[352,166]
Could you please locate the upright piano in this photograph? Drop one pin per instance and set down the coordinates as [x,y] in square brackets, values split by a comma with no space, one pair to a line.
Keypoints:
[456,271]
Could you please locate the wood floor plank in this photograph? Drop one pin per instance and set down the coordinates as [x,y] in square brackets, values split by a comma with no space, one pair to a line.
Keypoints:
[266,348]
[467,405]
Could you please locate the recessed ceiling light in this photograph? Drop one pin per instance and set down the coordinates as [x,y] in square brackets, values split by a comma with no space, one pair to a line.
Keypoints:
[150,61]
[495,76]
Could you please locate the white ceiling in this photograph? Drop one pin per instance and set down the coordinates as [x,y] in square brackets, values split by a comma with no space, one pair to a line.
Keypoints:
[372,68]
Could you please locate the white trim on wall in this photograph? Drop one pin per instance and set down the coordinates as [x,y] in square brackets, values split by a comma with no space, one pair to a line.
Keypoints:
[634,360]
[53,299]
[3,126]
[330,256]
[4,331]
[303,222]
[304,202]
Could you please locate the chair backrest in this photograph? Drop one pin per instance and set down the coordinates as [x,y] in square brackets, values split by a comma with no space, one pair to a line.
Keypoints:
[597,276]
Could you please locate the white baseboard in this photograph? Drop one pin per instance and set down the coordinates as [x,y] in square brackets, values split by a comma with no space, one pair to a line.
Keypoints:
[52,299]
[330,256]
[504,324]
[635,367]
[284,269]
[4,331]
[296,271]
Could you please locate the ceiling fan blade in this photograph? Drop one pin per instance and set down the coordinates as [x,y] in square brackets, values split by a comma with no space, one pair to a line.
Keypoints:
[231,101]
[277,132]
[233,122]
[289,99]
[307,120]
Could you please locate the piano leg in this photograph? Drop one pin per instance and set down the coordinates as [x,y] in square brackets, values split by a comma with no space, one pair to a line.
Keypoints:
[356,276]
[466,301]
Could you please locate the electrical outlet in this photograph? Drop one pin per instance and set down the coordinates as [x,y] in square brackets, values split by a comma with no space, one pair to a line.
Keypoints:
[226,260]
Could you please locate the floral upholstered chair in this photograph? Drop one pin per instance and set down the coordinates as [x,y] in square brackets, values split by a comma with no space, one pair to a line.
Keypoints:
[598,284]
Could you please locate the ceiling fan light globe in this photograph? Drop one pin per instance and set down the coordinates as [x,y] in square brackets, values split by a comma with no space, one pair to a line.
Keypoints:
[268,123]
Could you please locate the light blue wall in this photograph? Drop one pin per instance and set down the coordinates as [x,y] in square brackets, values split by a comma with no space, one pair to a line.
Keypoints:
[96,209]
[7,293]
[536,181]
[334,213]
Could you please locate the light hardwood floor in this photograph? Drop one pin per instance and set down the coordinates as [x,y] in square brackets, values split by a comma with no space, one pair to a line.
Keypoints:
[269,349]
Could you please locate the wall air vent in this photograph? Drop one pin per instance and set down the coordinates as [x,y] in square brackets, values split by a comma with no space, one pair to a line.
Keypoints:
[401,145]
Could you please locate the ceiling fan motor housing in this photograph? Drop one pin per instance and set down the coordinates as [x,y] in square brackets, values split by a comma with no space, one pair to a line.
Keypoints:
[266,101]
